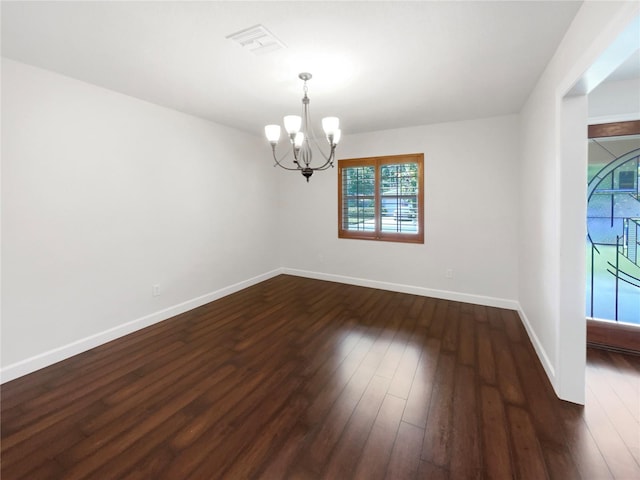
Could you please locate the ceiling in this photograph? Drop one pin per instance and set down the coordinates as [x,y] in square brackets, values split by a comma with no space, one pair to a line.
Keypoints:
[376,65]
[628,70]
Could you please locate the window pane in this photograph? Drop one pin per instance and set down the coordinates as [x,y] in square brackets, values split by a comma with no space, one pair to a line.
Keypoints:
[399,198]
[358,208]
[358,181]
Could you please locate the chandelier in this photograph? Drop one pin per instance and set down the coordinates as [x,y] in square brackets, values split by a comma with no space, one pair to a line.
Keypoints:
[302,137]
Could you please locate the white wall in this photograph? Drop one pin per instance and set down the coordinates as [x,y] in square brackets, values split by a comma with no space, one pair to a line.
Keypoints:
[549,281]
[615,101]
[103,196]
[471,203]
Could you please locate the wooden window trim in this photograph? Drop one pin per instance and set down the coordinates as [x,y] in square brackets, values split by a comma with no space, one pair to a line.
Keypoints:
[615,129]
[377,234]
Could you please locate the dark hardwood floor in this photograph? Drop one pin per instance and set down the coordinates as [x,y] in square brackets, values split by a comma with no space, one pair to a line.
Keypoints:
[304,379]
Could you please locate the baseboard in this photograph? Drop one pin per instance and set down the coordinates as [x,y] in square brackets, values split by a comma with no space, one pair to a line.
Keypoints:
[540,351]
[397,287]
[29,365]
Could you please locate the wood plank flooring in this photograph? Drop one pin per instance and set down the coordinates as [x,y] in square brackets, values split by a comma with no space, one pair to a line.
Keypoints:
[304,379]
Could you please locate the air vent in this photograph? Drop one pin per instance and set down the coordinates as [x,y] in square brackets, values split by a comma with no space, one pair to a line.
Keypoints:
[257,39]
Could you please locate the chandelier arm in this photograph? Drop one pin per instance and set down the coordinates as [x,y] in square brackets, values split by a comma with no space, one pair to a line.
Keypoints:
[312,134]
[328,159]
[326,166]
[283,157]
[314,138]
[319,149]
[328,163]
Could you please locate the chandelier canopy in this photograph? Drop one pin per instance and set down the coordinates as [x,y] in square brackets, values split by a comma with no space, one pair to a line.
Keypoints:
[302,137]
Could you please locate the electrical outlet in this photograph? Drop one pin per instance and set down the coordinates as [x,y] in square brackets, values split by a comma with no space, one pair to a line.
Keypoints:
[449,273]
[155,290]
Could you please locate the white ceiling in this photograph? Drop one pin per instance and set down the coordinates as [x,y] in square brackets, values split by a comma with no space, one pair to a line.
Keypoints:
[376,65]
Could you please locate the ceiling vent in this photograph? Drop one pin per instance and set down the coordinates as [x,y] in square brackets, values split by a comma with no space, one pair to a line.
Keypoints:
[257,39]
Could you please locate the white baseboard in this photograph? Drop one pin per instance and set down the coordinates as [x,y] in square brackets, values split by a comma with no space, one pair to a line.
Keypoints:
[55,355]
[397,287]
[540,351]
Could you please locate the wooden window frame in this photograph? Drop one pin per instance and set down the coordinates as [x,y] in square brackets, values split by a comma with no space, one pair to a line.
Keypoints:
[377,233]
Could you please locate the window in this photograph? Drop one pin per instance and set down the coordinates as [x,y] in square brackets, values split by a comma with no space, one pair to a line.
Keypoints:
[381,198]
